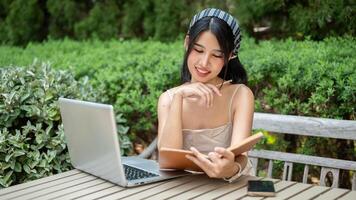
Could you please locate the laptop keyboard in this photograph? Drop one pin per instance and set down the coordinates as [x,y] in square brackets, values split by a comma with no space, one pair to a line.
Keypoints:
[133,173]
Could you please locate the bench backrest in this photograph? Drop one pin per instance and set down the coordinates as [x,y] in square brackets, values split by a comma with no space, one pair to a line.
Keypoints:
[306,126]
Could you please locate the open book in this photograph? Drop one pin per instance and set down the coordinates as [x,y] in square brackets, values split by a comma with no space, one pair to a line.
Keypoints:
[170,158]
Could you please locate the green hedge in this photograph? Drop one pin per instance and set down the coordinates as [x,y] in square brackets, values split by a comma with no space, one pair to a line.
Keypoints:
[31,134]
[317,19]
[303,78]
[133,73]
[37,20]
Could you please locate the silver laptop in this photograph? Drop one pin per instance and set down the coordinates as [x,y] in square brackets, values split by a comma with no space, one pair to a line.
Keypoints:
[91,136]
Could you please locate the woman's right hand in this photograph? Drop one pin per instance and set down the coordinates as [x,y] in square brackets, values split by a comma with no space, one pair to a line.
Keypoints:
[201,92]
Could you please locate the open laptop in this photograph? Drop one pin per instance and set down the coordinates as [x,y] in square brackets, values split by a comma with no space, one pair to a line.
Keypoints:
[91,136]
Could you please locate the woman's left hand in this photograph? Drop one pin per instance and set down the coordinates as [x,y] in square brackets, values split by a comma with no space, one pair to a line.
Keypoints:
[218,164]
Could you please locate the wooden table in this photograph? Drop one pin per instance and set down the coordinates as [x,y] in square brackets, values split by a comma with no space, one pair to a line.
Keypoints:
[75,184]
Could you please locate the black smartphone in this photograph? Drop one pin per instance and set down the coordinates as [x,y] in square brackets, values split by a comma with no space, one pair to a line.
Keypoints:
[260,188]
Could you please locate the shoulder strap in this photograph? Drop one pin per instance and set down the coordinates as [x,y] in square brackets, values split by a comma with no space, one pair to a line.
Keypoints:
[232,98]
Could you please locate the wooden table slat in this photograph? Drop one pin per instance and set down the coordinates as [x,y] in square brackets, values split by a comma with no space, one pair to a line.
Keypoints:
[252,198]
[92,192]
[44,186]
[37,194]
[37,182]
[90,184]
[310,193]
[178,190]
[153,193]
[227,188]
[199,188]
[130,191]
[236,194]
[281,185]
[333,193]
[162,187]
[351,195]
[75,184]
[290,191]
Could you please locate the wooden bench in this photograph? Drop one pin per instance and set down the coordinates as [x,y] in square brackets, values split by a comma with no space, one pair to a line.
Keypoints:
[302,126]
[306,126]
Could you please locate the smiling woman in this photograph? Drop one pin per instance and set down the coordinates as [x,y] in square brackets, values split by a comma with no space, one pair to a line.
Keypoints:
[206,51]
[213,108]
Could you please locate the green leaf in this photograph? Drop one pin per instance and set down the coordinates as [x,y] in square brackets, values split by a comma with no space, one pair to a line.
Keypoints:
[19,153]
[26,168]
[18,167]
[43,163]
[8,157]
[7,176]
[39,138]
[5,166]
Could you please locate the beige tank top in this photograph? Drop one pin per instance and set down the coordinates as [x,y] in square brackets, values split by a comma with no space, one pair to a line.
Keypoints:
[205,140]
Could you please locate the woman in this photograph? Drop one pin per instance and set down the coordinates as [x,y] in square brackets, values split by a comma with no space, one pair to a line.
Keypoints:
[212,109]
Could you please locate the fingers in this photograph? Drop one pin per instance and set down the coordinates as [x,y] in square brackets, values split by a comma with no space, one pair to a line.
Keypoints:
[209,96]
[202,161]
[204,91]
[225,153]
[218,164]
[214,88]
[209,91]
[199,155]
[199,163]
[214,157]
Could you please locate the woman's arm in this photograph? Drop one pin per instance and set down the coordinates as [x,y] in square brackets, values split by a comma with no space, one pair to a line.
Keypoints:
[243,105]
[170,121]
[170,113]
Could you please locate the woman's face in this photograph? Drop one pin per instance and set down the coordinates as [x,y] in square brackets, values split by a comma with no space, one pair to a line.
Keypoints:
[206,59]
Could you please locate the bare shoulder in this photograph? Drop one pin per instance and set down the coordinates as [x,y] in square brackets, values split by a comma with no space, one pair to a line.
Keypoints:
[244,90]
[243,94]
[164,99]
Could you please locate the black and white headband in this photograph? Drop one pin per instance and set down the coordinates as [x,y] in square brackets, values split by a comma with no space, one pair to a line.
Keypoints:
[230,20]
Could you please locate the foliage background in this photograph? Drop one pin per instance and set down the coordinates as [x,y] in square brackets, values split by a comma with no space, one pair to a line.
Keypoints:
[289,77]
[119,45]
[164,20]
[32,141]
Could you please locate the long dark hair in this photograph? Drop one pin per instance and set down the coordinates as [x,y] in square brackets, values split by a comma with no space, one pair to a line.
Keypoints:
[232,69]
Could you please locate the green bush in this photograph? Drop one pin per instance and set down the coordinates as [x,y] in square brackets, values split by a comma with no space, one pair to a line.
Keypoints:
[138,18]
[62,17]
[301,78]
[31,134]
[317,19]
[133,73]
[24,22]
[102,22]
[304,78]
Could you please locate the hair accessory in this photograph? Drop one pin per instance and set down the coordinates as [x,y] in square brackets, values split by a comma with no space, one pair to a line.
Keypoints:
[229,19]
